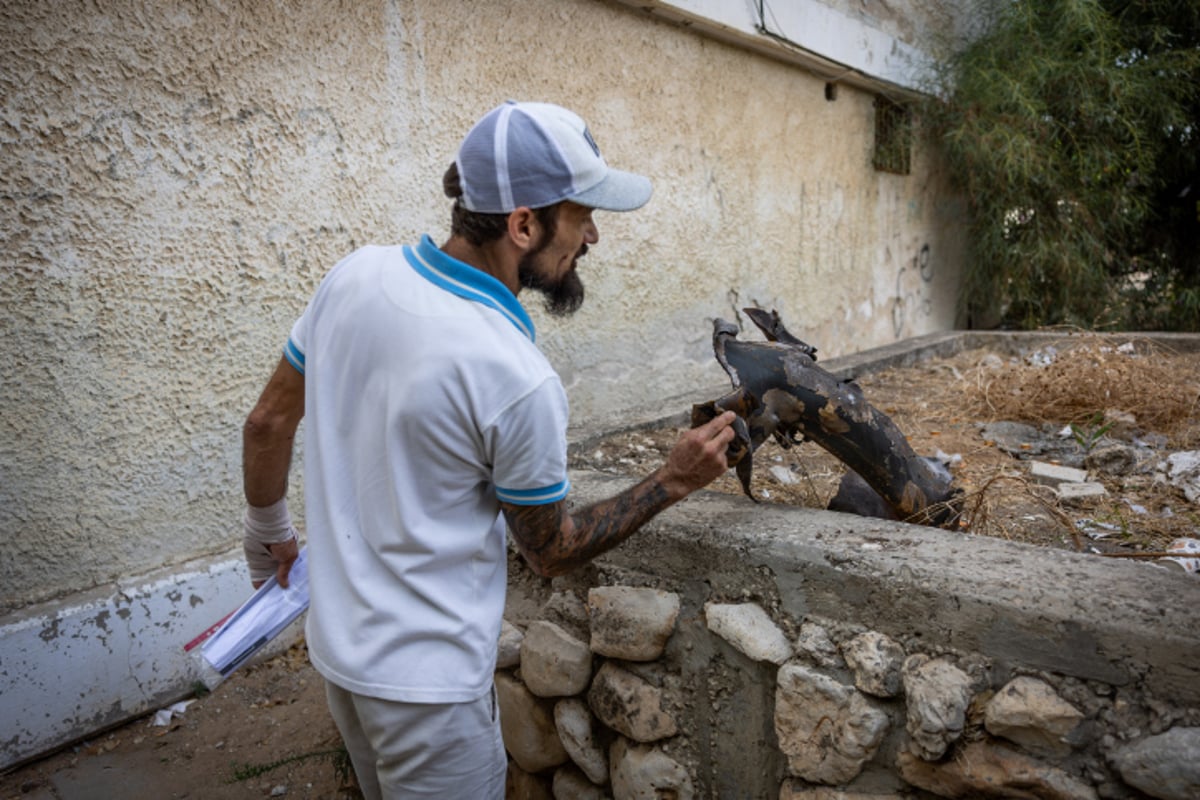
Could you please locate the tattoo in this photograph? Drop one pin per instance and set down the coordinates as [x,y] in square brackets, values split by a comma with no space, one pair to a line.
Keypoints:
[554,541]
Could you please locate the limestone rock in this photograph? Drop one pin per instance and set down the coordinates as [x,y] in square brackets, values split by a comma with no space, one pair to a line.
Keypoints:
[640,772]
[631,623]
[1028,712]
[577,732]
[826,729]
[630,705]
[815,644]
[876,660]
[571,784]
[553,662]
[508,652]
[984,770]
[748,628]
[938,696]
[527,725]
[1166,766]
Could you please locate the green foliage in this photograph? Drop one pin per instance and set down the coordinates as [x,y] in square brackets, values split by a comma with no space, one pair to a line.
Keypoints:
[1068,124]
[1088,436]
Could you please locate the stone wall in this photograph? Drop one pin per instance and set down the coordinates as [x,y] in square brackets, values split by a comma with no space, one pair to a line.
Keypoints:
[696,661]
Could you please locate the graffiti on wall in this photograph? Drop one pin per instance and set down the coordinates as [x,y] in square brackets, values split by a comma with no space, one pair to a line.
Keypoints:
[912,301]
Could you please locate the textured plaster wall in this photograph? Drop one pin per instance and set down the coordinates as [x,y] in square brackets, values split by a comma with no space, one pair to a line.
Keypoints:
[176,178]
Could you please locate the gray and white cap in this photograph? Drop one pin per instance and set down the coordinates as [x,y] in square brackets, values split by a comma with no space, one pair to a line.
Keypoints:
[535,155]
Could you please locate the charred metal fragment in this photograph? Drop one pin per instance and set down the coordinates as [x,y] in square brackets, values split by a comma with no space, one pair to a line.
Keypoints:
[780,392]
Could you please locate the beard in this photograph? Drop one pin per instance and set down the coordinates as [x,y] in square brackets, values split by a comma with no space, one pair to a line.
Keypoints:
[563,296]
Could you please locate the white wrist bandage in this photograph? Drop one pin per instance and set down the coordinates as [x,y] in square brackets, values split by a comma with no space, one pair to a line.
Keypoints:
[263,526]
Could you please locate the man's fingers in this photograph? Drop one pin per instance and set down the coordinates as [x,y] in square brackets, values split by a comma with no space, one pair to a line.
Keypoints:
[716,425]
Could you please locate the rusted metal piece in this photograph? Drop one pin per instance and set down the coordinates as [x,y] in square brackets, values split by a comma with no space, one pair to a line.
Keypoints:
[780,392]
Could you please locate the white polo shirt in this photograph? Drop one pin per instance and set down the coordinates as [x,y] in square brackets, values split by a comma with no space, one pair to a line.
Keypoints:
[426,403]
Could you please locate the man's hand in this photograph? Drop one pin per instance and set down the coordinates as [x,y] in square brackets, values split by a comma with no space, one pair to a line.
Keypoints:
[554,540]
[265,560]
[698,458]
[270,542]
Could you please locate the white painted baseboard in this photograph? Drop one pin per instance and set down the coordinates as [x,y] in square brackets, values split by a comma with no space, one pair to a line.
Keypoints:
[80,665]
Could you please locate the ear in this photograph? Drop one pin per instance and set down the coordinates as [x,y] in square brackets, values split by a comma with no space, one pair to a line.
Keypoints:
[523,228]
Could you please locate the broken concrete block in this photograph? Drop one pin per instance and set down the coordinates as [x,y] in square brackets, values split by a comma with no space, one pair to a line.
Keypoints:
[1054,474]
[747,627]
[630,705]
[1028,712]
[1080,491]
[553,662]
[938,696]
[631,623]
[827,730]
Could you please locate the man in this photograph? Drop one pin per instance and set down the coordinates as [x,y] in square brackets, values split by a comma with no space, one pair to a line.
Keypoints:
[430,411]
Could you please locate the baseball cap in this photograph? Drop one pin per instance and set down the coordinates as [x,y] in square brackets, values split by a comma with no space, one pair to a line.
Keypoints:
[535,155]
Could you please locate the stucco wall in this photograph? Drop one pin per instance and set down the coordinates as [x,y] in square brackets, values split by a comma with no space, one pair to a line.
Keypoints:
[175,179]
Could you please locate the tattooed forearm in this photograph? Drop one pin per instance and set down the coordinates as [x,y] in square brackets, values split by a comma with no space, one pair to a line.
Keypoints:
[555,541]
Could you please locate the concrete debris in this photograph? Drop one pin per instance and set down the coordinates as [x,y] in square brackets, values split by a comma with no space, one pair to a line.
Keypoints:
[1182,470]
[1166,766]
[527,724]
[646,773]
[1068,492]
[983,769]
[553,662]
[938,696]
[827,730]
[1112,458]
[783,475]
[747,627]
[1028,712]
[876,660]
[1055,474]
[576,729]
[630,705]
[631,623]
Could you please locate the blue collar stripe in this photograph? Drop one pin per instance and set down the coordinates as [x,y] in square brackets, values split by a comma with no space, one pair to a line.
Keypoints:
[534,497]
[467,282]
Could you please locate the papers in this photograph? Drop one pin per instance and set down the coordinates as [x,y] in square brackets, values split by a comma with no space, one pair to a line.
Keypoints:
[259,620]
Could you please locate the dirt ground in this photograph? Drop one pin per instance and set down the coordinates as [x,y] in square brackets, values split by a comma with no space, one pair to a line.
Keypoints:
[1100,397]
[265,731]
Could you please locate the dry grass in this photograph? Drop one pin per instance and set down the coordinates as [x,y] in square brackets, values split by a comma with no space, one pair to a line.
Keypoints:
[1089,379]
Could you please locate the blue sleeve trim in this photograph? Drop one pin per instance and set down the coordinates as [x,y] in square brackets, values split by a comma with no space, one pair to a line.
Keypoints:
[294,356]
[534,497]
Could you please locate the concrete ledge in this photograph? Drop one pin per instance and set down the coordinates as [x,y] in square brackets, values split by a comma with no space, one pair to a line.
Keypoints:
[1110,620]
[72,668]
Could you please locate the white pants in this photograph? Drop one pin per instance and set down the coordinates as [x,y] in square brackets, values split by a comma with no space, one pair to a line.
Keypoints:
[402,750]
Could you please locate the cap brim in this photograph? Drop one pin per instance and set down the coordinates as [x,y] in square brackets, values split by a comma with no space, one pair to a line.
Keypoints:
[619,191]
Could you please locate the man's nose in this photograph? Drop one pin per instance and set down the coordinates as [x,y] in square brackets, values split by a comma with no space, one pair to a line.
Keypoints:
[591,234]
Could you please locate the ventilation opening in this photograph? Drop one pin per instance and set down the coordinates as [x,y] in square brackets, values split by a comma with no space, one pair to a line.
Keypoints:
[893,137]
